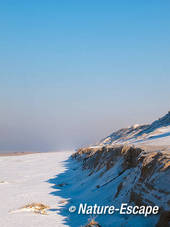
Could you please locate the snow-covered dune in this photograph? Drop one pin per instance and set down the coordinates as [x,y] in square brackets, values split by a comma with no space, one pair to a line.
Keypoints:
[132,165]
[157,133]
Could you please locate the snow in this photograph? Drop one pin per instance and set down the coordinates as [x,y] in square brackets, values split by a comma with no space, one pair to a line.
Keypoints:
[57,181]
[156,133]
[158,136]
[82,188]
[24,181]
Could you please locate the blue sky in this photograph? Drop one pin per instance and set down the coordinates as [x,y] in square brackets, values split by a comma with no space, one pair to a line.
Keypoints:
[71,72]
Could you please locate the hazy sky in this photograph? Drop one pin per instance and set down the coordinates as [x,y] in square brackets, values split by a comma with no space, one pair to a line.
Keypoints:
[71,72]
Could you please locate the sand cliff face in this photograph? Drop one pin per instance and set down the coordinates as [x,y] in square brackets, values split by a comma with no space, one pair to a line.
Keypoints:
[144,172]
[132,165]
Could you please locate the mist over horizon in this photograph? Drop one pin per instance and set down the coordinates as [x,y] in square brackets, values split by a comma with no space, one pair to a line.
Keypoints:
[70,74]
[79,140]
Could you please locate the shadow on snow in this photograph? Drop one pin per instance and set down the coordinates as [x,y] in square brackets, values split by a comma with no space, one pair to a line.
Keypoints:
[63,185]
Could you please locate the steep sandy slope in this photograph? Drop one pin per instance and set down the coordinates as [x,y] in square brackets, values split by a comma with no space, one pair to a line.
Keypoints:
[128,174]
[131,165]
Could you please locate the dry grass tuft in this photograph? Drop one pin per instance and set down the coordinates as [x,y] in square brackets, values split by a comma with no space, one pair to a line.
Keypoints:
[2,182]
[38,208]
[92,223]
